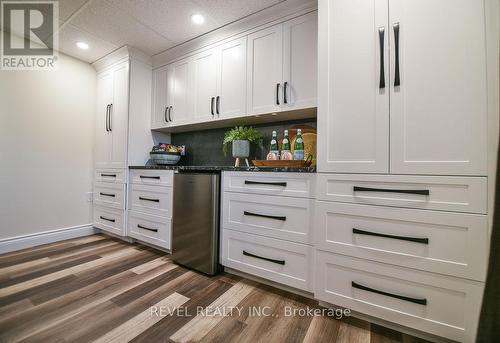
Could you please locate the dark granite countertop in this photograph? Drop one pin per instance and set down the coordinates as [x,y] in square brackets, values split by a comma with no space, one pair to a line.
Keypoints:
[229,168]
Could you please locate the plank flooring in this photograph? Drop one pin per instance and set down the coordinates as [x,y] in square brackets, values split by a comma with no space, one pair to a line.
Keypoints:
[101,289]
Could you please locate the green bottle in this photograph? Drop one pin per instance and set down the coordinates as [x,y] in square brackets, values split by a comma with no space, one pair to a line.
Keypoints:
[274,144]
[285,146]
[298,149]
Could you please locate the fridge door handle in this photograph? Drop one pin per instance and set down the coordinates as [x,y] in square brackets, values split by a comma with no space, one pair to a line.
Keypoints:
[277,94]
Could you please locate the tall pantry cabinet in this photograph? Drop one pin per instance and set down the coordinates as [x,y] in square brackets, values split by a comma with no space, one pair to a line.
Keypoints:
[402,225]
[123,134]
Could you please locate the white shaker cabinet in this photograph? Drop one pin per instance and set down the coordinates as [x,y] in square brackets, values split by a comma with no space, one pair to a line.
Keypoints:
[430,56]
[353,108]
[264,70]
[439,109]
[159,111]
[179,88]
[282,66]
[232,79]
[112,117]
[300,62]
[204,66]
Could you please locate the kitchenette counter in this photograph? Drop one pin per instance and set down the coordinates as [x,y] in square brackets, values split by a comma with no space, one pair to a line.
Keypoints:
[228,168]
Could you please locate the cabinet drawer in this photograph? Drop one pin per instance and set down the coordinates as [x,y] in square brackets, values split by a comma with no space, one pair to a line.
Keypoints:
[151,229]
[152,177]
[442,242]
[276,260]
[284,184]
[151,199]
[109,219]
[460,194]
[110,175]
[109,194]
[437,304]
[273,216]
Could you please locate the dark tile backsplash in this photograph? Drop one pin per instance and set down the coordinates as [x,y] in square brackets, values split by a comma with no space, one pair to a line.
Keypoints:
[204,148]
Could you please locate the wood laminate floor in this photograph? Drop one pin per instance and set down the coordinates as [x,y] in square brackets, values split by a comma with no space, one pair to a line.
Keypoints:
[97,288]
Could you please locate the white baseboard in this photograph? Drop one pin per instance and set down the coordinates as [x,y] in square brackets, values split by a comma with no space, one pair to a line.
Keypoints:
[27,241]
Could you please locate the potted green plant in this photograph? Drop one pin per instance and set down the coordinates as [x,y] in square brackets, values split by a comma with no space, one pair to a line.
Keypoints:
[240,138]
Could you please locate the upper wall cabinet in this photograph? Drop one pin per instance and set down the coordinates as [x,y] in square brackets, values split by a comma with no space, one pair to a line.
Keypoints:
[271,70]
[282,66]
[112,117]
[385,77]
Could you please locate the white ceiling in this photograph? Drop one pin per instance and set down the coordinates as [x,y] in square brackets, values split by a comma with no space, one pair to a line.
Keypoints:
[152,26]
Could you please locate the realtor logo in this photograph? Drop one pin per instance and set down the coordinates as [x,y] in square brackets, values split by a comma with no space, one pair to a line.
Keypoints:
[29,35]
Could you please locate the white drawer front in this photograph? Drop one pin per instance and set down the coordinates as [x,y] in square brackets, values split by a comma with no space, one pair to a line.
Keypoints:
[272,216]
[109,194]
[442,242]
[276,260]
[452,305]
[152,177]
[151,229]
[460,194]
[284,184]
[109,219]
[110,175]
[151,199]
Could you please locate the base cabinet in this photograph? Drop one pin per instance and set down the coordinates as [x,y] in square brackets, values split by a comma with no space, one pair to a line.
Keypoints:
[432,303]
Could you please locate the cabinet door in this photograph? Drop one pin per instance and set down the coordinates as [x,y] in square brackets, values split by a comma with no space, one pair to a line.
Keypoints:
[353,107]
[439,110]
[102,149]
[180,98]
[300,62]
[159,105]
[264,70]
[232,81]
[119,116]
[204,83]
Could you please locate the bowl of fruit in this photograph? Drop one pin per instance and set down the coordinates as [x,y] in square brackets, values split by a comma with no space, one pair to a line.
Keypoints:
[165,154]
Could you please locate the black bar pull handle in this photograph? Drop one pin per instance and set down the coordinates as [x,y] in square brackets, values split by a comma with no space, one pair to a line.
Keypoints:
[246,213]
[108,175]
[282,184]
[402,238]
[146,228]
[212,106]
[107,194]
[285,100]
[110,117]
[282,262]
[277,94]
[170,109]
[385,190]
[421,301]
[217,104]
[148,199]
[381,33]
[107,219]
[165,114]
[396,54]
[106,119]
[149,177]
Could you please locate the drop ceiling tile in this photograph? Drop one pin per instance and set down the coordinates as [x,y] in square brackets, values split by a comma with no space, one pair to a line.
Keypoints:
[70,35]
[227,11]
[111,24]
[68,7]
[170,18]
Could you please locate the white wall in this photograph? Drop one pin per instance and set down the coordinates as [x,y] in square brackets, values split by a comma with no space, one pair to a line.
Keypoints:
[46,148]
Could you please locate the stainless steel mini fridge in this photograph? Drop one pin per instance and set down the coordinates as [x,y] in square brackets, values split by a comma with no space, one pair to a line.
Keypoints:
[195,220]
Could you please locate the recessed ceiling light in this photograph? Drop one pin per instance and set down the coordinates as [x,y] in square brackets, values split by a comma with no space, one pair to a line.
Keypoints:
[197,19]
[82,45]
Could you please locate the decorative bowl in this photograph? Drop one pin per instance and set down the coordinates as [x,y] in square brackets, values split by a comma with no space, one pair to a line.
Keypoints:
[165,157]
